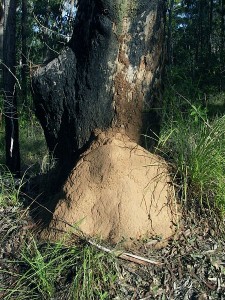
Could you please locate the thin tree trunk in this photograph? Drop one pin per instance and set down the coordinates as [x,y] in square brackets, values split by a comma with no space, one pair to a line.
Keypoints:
[169,33]
[9,83]
[210,27]
[222,21]
[1,30]
[222,40]
[24,70]
[1,57]
[72,3]
[198,46]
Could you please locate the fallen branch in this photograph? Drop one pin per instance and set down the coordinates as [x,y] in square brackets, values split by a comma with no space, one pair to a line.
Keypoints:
[139,260]
[125,256]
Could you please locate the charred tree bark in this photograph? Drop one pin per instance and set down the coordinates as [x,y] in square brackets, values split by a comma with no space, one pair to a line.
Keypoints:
[108,76]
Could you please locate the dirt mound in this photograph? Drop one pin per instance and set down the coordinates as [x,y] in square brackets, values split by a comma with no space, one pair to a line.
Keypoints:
[117,191]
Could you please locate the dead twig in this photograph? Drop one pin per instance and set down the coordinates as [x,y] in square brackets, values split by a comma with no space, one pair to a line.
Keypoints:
[125,256]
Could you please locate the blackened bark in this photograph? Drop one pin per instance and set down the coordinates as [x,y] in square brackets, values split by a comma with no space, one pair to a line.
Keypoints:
[9,85]
[105,79]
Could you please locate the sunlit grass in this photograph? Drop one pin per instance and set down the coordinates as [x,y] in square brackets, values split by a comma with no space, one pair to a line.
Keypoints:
[196,149]
[44,269]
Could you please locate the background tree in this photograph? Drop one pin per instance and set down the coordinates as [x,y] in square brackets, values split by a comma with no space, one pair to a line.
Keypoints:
[52,23]
[42,31]
[197,29]
[24,53]
[9,86]
[30,52]
[1,37]
[169,32]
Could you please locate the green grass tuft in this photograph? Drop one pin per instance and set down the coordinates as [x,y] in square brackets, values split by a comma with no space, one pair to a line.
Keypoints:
[9,188]
[196,149]
[46,269]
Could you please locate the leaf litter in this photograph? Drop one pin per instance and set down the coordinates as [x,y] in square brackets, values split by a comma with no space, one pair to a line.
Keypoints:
[192,263]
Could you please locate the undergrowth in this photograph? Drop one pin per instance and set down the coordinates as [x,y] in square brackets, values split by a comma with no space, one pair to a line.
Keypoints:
[9,188]
[195,147]
[45,270]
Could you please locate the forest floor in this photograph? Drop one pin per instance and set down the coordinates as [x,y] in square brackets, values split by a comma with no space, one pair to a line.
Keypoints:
[189,266]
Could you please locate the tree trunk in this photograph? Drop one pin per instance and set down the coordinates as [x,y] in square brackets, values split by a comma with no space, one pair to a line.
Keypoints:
[1,39]
[9,84]
[210,28]
[108,77]
[72,5]
[24,70]
[169,33]
[222,39]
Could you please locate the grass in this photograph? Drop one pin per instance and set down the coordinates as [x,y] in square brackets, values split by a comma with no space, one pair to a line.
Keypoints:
[195,147]
[9,188]
[44,270]
[2,143]
[94,276]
